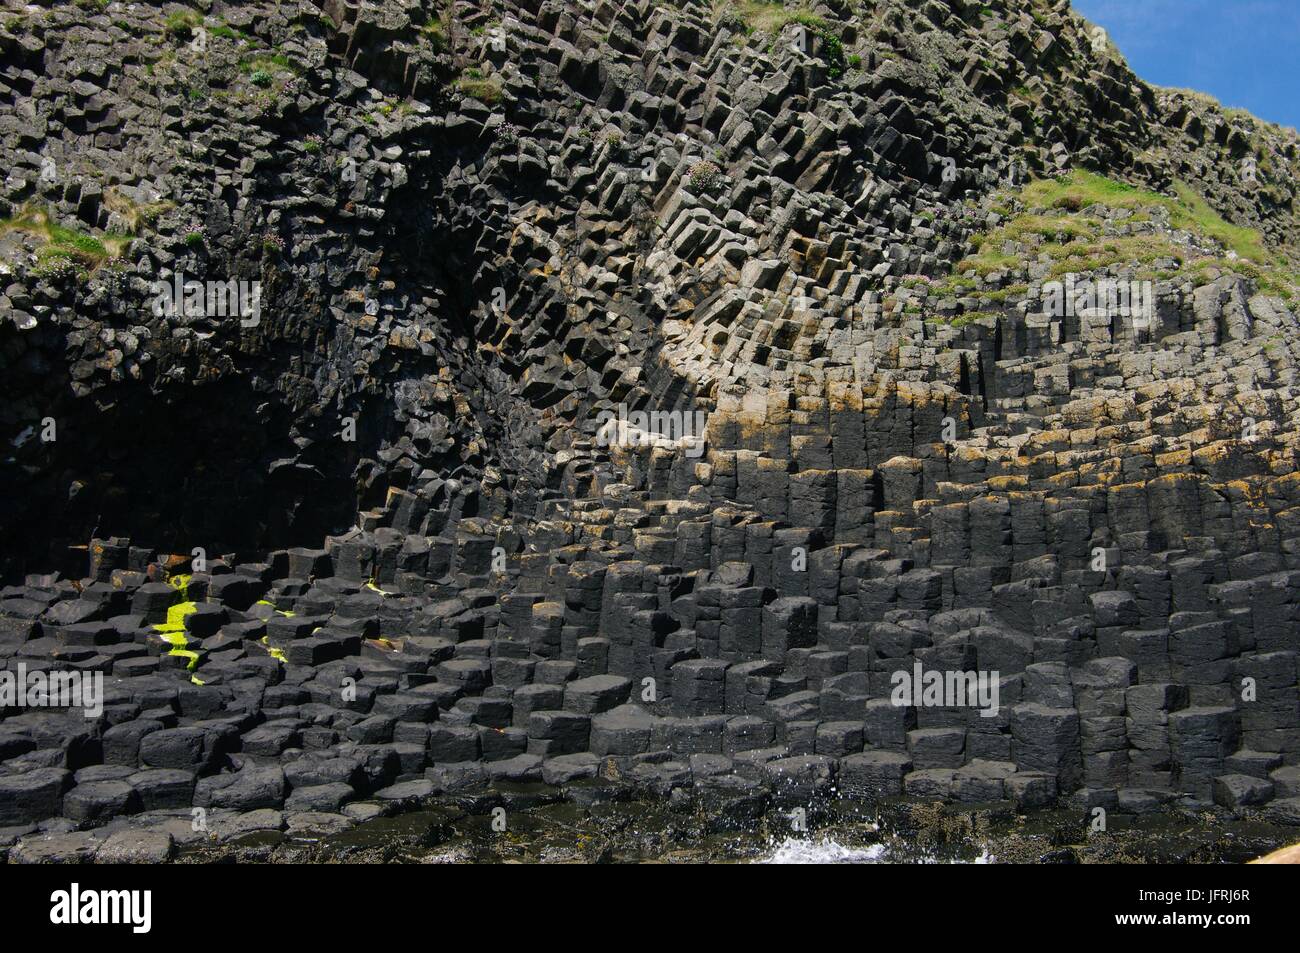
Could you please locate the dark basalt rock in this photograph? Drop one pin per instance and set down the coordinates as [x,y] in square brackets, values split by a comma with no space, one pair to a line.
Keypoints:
[440,522]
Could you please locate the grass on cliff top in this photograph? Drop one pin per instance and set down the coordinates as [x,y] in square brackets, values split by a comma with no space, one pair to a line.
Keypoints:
[767,17]
[275,65]
[136,216]
[487,90]
[1188,211]
[56,241]
[435,32]
[182,23]
[1076,243]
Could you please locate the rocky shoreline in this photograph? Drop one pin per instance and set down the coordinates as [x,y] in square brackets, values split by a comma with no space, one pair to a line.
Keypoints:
[331,712]
[639,396]
[607,823]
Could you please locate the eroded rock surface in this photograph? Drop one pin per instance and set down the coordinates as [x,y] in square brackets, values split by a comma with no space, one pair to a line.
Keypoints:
[633,393]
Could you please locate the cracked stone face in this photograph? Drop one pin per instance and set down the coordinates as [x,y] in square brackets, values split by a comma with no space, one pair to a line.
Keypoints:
[717,400]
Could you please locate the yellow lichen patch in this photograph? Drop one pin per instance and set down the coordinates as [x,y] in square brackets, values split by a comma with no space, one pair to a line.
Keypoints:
[181,582]
[1118,434]
[1284,486]
[968,455]
[1065,478]
[1009,462]
[1005,483]
[844,396]
[918,395]
[277,654]
[1279,462]
[1175,458]
[176,616]
[283,612]
[1248,491]
[172,637]
[1174,481]
[186,653]
[1213,453]
[173,630]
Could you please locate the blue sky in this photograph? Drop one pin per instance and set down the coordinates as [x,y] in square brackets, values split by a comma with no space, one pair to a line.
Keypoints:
[1245,53]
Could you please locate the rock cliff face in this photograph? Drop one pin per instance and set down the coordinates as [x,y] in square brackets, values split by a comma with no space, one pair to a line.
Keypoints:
[561,390]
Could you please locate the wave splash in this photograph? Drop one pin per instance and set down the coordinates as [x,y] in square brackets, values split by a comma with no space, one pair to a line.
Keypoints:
[797,850]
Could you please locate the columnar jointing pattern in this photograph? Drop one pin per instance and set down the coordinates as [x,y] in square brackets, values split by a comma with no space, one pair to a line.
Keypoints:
[561,213]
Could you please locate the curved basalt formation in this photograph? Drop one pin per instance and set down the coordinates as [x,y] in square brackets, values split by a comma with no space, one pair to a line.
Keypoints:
[605,393]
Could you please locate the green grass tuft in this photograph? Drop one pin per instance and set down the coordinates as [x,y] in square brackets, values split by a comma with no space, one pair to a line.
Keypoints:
[1050,228]
[486,90]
